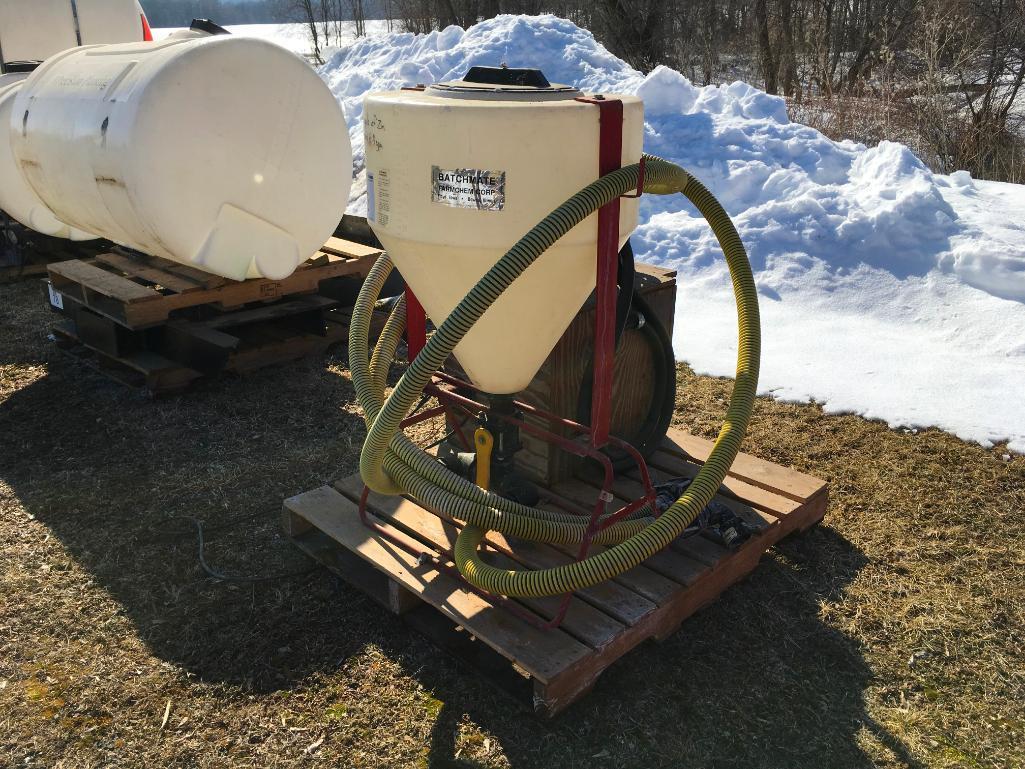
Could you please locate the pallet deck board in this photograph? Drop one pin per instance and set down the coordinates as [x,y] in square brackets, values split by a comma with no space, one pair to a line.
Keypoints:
[542,654]
[120,286]
[349,249]
[781,480]
[194,324]
[155,275]
[584,622]
[664,464]
[86,277]
[604,622]
[616,600]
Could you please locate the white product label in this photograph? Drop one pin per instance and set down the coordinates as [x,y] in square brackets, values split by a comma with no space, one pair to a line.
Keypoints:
[55,297]
[468,188]
[378,196]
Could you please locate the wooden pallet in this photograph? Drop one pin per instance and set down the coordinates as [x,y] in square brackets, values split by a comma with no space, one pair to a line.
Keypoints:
[139,291]
[160,326]
[259,343]
[603,622]
[11,273]
[33,254]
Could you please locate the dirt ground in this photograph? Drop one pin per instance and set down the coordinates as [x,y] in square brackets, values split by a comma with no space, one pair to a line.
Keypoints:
[891,635]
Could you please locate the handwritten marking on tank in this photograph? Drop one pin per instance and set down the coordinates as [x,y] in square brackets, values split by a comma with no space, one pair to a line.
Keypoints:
[371,126]
[109,180]
[472,188]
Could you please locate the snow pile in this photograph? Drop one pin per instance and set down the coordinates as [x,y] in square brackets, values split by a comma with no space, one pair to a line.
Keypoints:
[886,290]
[294,37]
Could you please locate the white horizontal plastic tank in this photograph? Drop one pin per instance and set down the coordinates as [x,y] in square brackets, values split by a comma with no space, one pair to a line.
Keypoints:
[457,173]
[228,154]
[17,198]
[33,30]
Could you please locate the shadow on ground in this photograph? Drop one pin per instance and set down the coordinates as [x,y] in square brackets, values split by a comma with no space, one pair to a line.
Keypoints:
[755,680]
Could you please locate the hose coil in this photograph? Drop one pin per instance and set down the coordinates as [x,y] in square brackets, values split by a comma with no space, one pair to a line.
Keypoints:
[391,464]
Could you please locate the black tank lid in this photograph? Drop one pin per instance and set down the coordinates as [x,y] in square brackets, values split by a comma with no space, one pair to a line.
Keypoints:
[10,67]
[505,84]
[205,25]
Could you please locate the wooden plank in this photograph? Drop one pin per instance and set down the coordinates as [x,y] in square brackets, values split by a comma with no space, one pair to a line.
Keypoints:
[249,347]
[661,273]
[197,276]
[543,654]
[350,249]
[611,597]
[761,499]
[235,293]
[138,269]
[144,369]
[583,621]
[11,273]
[758,472]
[630,486]
[100,281]
[681,567]
[698,548]
[575,680]
[270,312]
[124,299]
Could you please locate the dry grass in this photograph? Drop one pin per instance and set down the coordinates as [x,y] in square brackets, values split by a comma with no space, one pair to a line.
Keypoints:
[936,131]
[891,635]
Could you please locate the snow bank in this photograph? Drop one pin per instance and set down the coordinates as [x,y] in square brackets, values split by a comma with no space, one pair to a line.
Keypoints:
[294,37]
[886,290]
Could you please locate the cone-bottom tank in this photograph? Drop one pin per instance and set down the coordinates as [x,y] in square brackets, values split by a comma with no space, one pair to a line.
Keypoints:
[228,154]
[457,173]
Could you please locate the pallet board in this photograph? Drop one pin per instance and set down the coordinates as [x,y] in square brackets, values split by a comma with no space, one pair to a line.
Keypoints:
[256,347]
[33,252]
[604,622]
[140,291]
[160,326]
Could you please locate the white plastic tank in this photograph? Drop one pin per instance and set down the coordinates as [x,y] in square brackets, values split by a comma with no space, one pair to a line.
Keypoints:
[226,153]
[33,30]
[17,198]
[457,173]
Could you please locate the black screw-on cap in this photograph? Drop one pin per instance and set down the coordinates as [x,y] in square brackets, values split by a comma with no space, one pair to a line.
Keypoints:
[20,66]
[205,25]
[532,78]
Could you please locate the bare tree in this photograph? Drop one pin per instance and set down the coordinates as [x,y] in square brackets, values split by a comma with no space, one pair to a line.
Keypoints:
[768,58]
[306,11]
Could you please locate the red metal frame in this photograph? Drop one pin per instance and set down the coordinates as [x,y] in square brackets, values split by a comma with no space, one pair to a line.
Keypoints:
[452,403]
[610,157]
[590,439]
[416,325]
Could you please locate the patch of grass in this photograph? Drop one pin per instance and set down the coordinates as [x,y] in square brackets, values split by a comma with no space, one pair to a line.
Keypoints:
[891,635]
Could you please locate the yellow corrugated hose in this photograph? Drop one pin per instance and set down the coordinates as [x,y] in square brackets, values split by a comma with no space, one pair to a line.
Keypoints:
[391,464]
